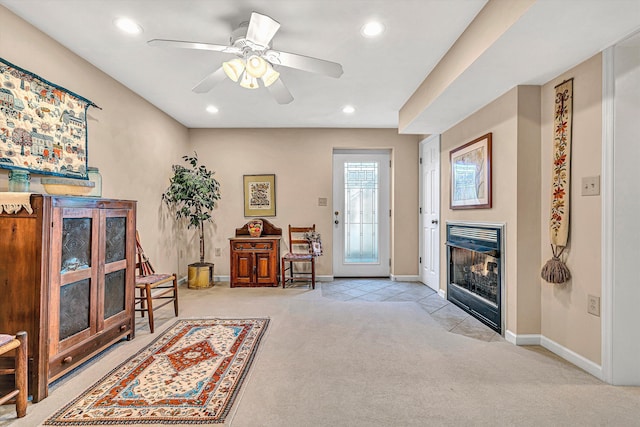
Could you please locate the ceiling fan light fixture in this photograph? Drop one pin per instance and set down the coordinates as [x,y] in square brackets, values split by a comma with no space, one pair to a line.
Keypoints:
[233,69]
[270,76]
[256,66]
[248,81]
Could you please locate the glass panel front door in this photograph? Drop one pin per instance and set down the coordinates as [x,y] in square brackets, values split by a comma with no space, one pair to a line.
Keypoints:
[361,212]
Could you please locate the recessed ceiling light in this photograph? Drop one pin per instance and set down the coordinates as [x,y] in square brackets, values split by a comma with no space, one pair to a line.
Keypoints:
[127,25]
[348,109]
[212,109]
[372,29]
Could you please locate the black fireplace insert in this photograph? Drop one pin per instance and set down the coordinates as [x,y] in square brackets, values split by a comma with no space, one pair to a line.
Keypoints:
[474,274]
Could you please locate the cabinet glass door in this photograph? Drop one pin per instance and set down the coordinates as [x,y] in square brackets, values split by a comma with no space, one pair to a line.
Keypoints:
[113,291]
[75,300]
[73,297]
[76,244]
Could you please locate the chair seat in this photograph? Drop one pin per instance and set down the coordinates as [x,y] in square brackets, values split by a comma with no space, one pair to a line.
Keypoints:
[4,338]
[298,257]
[153,279]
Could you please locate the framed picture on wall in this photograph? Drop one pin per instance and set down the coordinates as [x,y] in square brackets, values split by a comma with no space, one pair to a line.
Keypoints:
[259,195]
[471,174]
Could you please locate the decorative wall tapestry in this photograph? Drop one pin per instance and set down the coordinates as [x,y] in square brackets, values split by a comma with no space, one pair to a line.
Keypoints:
[555,270]
[43,127]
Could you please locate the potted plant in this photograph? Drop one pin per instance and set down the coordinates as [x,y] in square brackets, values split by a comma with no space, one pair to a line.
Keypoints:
[193,193]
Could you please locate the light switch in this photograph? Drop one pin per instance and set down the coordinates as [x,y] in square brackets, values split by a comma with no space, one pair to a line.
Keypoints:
[322,201]
[591,186]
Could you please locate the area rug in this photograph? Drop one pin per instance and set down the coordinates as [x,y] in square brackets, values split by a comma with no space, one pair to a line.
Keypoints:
[191,374]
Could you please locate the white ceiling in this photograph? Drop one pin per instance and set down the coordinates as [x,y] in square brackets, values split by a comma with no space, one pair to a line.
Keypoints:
[379,74]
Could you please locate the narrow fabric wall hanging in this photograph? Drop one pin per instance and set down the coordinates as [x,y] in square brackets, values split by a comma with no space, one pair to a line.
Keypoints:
[555,270]
[43,127]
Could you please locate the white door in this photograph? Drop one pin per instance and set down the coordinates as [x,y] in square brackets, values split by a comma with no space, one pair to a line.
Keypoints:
[430,211]
[361,213]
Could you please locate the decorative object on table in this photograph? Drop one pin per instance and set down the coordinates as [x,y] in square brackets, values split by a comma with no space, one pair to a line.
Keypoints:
[67,186]
[14,202]
[255,227]
[96,178]
[471,174]
[19,180]
[555,270]
[191,374]
[254,262]
[259,195]
[193,192]
[43,126]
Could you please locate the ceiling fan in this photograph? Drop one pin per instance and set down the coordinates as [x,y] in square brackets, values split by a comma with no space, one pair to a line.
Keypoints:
[251,43]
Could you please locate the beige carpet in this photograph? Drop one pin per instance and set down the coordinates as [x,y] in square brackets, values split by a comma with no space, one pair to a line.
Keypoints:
[326,362]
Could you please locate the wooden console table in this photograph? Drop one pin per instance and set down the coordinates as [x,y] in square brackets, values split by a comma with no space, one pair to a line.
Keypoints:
[255,261]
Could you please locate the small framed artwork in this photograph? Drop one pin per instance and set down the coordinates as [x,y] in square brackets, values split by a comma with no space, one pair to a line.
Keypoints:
[471,174]
[259,195]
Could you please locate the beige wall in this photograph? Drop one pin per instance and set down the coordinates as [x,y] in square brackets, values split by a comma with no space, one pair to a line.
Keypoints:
[522,125]
[132,142]
[301,159]
[514,122]
[564,308]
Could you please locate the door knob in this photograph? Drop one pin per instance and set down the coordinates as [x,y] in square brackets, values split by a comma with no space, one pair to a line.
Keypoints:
[434,221]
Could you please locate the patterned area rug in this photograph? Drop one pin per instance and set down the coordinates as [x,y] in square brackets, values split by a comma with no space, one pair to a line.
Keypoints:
[190,374]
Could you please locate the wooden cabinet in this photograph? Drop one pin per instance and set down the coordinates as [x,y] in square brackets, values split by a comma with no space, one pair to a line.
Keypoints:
[255,260]
[67,277]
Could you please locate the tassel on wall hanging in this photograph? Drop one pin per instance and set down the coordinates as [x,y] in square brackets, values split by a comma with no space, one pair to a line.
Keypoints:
[555,270]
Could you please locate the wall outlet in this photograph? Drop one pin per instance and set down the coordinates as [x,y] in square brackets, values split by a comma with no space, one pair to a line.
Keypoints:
[218,251]
[593,305]
[322,201]
[591,185]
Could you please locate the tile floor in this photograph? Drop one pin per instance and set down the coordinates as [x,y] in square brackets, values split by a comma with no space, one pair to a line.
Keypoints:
[449,316]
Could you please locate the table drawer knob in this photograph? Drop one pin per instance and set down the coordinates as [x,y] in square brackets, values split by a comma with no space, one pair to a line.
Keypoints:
[67,359]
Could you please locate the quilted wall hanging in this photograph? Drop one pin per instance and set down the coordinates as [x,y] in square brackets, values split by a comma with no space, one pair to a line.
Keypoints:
[43,127]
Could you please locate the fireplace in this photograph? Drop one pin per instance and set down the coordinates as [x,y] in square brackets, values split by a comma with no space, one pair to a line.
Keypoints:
[475,270]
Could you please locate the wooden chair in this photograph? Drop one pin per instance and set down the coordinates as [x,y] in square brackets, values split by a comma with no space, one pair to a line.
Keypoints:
[153,286]
[19,343]
[296,239]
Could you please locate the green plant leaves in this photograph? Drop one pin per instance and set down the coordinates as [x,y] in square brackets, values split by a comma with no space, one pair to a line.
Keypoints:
[193,192]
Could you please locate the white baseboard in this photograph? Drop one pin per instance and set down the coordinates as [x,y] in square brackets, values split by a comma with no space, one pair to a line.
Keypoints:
[227,278]
[404,278]
[560,350]
[522,339]
[572,356]
[442,293]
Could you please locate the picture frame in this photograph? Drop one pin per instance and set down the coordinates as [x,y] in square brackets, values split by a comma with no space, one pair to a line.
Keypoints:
[259,195]
[471,174]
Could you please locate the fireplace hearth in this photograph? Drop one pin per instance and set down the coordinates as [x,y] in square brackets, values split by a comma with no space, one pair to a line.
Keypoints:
[474,273]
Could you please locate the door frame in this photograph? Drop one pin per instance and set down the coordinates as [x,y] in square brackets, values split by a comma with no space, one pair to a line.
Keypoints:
[385,251]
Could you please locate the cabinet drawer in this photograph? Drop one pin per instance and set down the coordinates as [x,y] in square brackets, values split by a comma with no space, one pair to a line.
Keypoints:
[243,246]
[63,362]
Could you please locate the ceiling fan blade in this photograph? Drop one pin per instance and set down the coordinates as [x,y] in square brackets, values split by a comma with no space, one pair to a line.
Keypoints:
[210,81]
[261,29]
[280,92]
[306,63]
[193,45]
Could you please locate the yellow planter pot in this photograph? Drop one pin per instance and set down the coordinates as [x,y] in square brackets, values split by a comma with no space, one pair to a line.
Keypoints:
[200,275]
